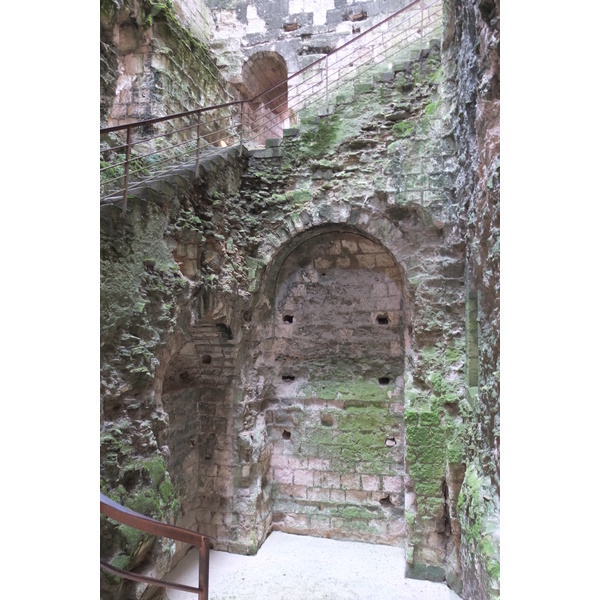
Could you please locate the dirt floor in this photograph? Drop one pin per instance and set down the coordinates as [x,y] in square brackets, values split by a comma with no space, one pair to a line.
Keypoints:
[294,567]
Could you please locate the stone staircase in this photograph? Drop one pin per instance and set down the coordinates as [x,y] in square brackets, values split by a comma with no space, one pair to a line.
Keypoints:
[366,83]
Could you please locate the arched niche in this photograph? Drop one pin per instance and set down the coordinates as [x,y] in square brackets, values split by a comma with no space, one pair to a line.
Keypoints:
[332,362]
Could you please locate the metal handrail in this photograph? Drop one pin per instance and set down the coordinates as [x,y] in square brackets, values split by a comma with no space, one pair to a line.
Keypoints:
[230,126]
[124,515]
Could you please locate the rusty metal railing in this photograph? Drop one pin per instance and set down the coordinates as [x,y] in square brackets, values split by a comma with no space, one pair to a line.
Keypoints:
[123,515]
[132,153]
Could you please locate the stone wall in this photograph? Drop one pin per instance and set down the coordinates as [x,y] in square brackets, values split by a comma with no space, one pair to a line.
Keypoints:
[303,31]
[222,413]
[155,60]
[472,59]
[334,409]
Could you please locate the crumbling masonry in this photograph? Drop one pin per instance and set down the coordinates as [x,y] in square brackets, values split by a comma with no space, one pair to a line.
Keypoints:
[305,337]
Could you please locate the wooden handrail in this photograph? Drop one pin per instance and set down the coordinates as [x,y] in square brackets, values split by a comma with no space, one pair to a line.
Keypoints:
[126,516]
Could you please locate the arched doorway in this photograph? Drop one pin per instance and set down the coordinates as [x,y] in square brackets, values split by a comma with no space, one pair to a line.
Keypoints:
[265,75]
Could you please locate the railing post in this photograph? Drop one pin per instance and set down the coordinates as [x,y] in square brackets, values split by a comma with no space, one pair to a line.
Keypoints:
[204,551]
[241,126]
[198,146]
[421,40]
[126,175]
[327,85]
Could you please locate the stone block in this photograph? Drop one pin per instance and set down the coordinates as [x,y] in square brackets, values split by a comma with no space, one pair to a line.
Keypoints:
[356,495]
[330,479]
[303,478]
[338,495]
[366,261]
[319,494]
[350,481]
[370,482]
[320,522]
[296,521]
[319,464]
[393,484]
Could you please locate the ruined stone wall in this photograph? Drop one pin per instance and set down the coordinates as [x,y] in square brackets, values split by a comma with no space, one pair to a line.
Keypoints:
[472,55]
[194,341]
[301,31]
[155,60]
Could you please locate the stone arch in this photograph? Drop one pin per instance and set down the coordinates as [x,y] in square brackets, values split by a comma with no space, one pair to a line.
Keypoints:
[375,225]
[265,73]
[331,411]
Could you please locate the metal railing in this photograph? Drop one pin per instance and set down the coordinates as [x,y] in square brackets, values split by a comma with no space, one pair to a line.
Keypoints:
[133,152]
[123,515]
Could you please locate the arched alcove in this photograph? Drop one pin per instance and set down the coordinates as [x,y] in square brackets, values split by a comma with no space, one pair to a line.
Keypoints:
[333,365]
[265,75]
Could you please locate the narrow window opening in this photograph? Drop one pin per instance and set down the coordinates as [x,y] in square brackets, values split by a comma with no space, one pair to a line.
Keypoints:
[384,380]
[288,378]
[382,320]
[206,359]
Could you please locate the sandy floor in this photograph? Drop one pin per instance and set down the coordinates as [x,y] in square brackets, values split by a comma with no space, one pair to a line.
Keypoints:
[294,567]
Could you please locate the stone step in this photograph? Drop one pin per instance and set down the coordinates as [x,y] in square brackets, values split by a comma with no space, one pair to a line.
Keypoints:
[384,76]
[363,88]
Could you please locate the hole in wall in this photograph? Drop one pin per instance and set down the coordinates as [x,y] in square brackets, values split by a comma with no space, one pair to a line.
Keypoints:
[288,378]
[288,318]
[290,26]
[206,359]
[327,420]
[382,320]
[384,380]
[386,502]
[286,435]
[390,441]
[356,30]
[247,316]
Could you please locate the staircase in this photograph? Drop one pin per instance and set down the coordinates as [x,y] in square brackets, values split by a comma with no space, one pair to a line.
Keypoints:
[187,144]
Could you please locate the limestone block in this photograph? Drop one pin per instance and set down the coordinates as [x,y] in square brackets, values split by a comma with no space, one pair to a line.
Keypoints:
[370,482]
[303,478]
[319,494]
[330,479]
[338,495]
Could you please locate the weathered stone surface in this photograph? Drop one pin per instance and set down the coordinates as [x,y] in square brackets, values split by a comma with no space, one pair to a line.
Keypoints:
[281,319]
